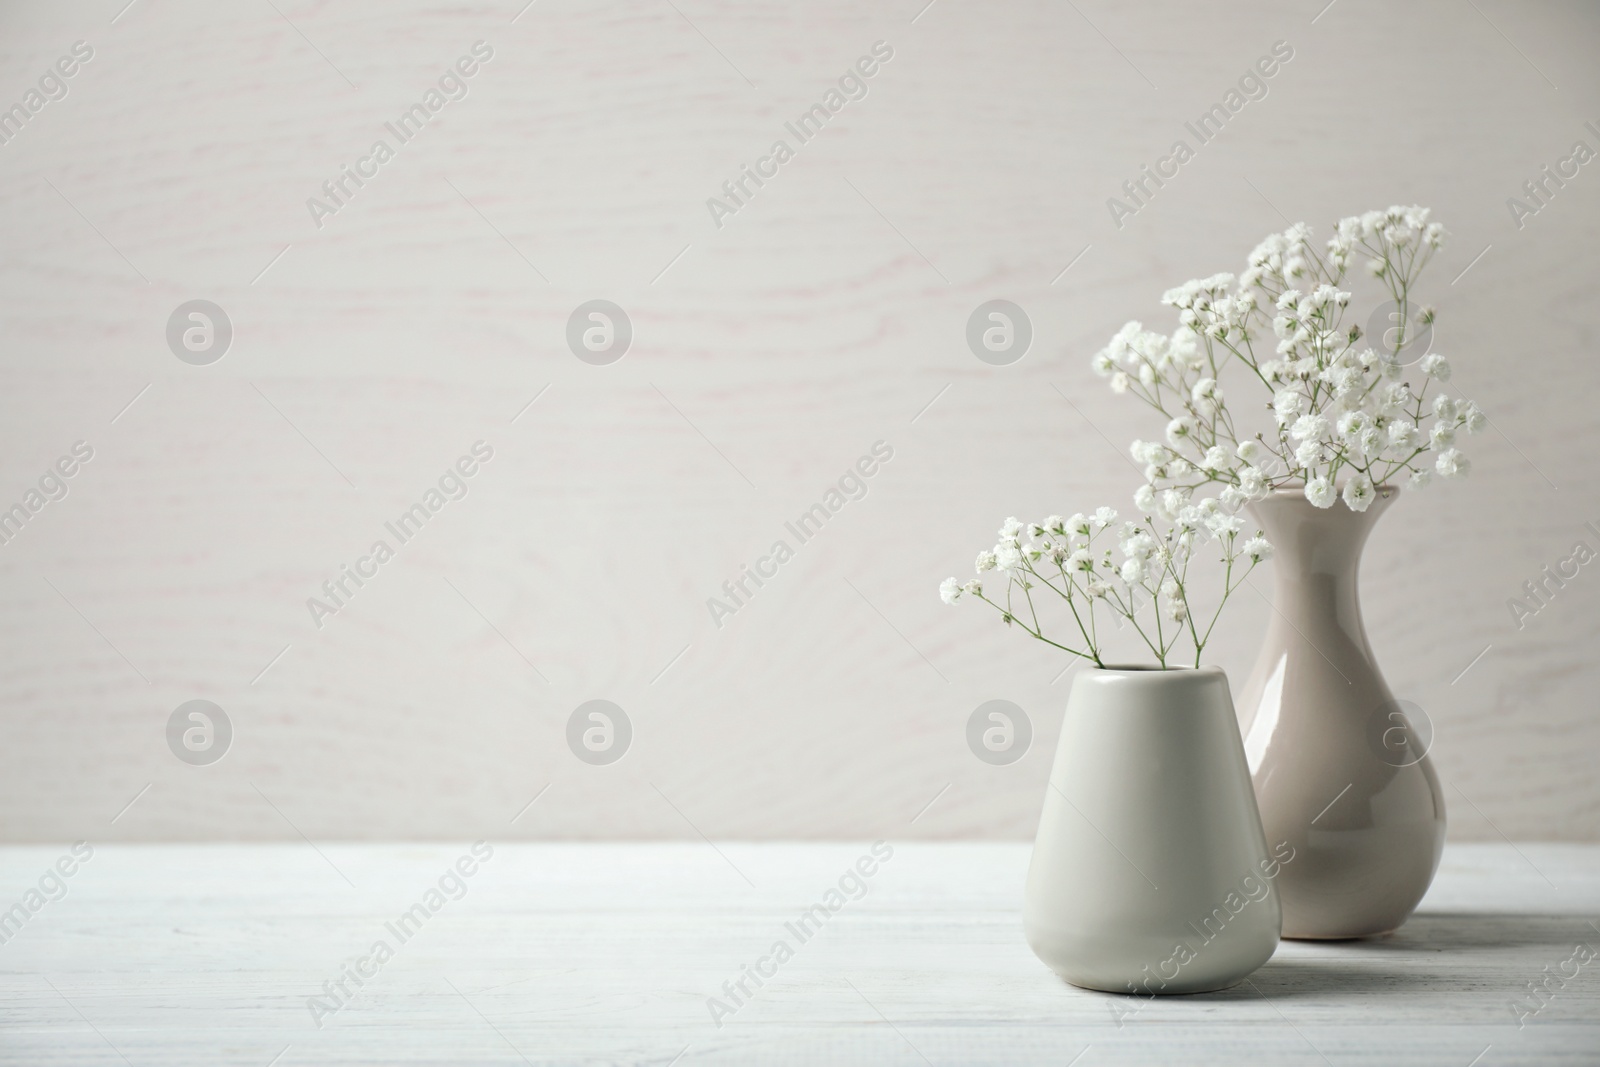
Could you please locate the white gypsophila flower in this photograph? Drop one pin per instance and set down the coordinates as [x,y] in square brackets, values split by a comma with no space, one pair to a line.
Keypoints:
[1358,493]
[1435,366]
[1320,492]
[1056,525]
[1233,498]
[1180,430]
[986,561]
[1287,404]
[1080,560]
[1473,418]
[1177,467]
[1120,382]
[1216,458]
[1441,436]
[1249,451]
[1176,610]
[1224,525]
[1419,480]
[1147,375]
[1010,529]
[1138,545]
[1144,498]
[1452,464]
[1172,502]
[1309,427]
[1078,525]
[1345,380]
[1309,454]
[1371,441]
[1133,570]
[1252,482]
[1258,548]
[1103,364]
[1007,557]
[1404,435]
[1445,408]
[949,590]
[1184,347]
[1104,517]
[1098,589]
[972,588]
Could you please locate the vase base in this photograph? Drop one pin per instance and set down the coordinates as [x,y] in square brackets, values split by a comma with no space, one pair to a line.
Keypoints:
[1287,936]
[1125,991]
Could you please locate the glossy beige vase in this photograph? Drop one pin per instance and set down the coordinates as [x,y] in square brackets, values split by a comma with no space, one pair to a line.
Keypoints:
[1340,770]
[1150,873]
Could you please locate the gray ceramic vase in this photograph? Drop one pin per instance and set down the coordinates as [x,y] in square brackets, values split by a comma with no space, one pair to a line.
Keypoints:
[1340,769]
[1150,874]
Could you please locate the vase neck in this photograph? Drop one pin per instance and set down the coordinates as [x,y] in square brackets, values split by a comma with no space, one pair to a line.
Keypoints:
[1311,542]
[1316,563]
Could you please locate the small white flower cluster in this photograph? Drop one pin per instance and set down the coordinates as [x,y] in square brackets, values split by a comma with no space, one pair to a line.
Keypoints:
[1342,410]
[1146,582]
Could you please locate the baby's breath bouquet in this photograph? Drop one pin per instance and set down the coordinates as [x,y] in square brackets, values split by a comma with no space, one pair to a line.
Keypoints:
[1343,411]
[1068,564]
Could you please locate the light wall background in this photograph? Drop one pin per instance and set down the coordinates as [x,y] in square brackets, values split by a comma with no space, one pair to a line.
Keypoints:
[769,354]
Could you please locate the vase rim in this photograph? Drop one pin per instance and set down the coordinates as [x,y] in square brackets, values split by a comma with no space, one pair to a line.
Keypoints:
[1137,669]
[1298,489]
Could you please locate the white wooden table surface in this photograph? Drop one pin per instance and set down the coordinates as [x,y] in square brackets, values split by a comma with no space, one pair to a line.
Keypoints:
[563,953]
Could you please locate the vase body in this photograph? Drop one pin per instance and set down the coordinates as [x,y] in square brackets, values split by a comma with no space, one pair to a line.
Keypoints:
[1150,873]
[1340,770]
